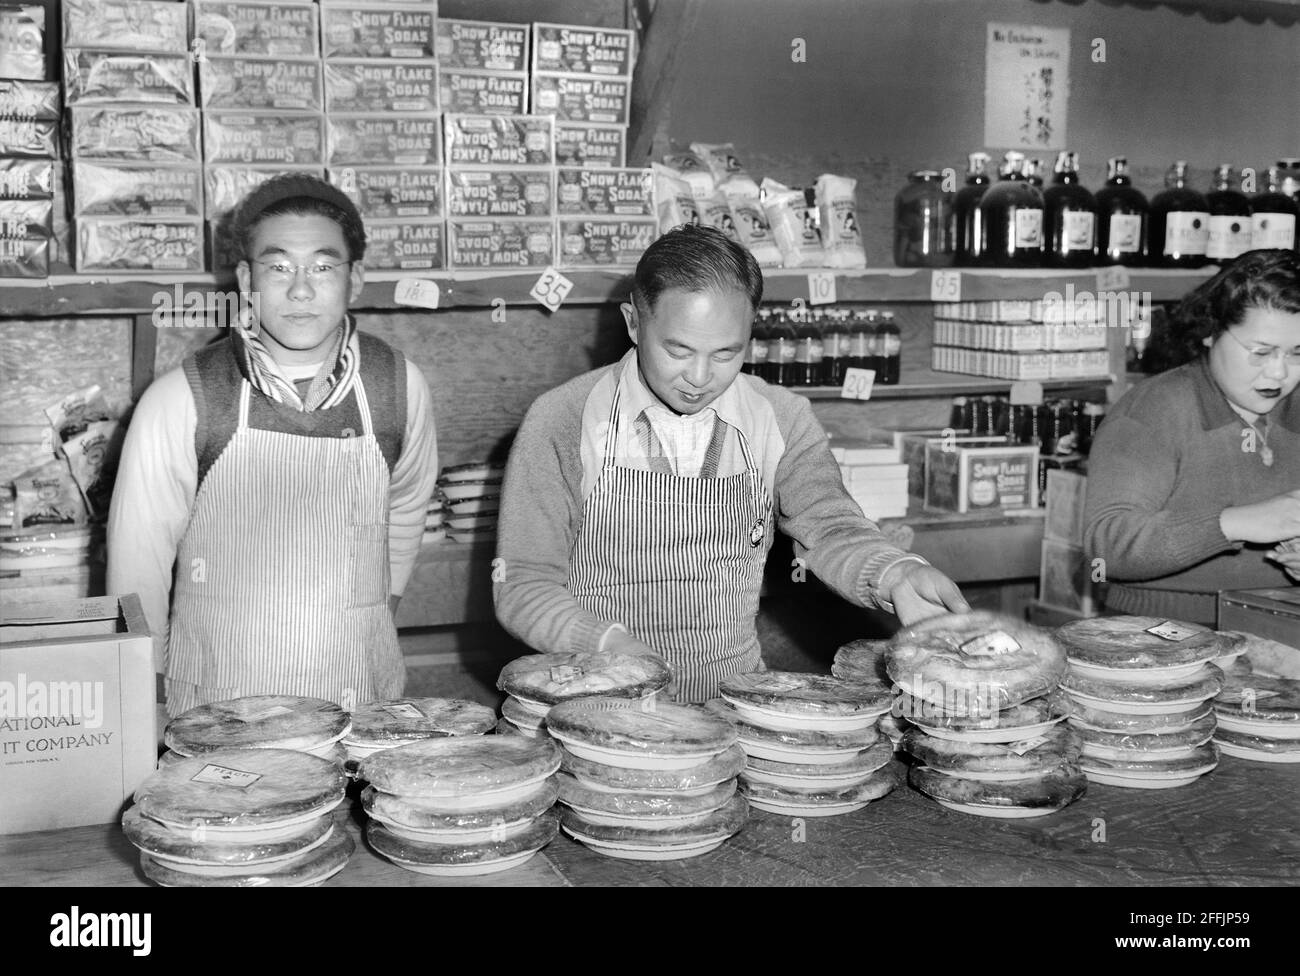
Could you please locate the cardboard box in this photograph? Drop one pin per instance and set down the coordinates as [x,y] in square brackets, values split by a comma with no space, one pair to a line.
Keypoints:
[583,50]
[1272,613]
[261,84]
[582,98]
[126,25]
[972,479]
[135,133]
[112,76]
[1065,579]
[253,138]
[499,140]
[408,140]
[605,192]
[392,191]
[78,732]
[587,242]
[483,92]
[590,144]
[135,244]
[482,45]
[114,189]
[501,243]
[912,444]
[365,31]
[500,193]
[255,27]
[225,186]
[381,86]
[400,245]
[1065,494]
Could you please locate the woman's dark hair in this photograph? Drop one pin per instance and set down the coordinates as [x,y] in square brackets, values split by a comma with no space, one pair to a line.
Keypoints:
[1257,279]
[695,259]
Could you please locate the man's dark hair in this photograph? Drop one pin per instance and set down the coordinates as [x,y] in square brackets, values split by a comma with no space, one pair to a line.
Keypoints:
[1267,279]
[300,195]
[695,259]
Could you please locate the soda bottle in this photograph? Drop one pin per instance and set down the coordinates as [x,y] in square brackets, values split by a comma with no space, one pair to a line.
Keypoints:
[1070,216]
[861,339]
[1274,216]
[1122,214]
[1230,221]
[1180,223]
[808,350]
[780,351]
[890,344]
[835,348]
[756,348]
[1012,212]
[966,209]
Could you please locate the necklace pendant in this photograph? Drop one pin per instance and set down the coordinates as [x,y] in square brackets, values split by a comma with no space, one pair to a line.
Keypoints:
[1266,455]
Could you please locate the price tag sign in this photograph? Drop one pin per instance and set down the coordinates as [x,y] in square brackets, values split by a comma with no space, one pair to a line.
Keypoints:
[551,289]
[821,288]
[225,776]
[945,286]
[858,383]
[1112,278]
[1027,392]
[416,292]
[1172,631]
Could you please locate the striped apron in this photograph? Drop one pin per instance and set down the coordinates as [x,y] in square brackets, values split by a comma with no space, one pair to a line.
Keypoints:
[282,577]
[678,561]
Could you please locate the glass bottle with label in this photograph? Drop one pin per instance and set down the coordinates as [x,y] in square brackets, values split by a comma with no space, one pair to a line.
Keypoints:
[860,341]
[1274,216]
[966,211]
[1070,214]
[780,350]
[890,344]
[873,361]
[1230,223]
[1012,212]
[1122,213]
[808,349]
[756,349]
[923,222]
[1180,223]
[835,348]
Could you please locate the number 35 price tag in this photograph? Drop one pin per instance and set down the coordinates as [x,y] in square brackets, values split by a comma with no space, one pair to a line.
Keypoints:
[857,383]
[551,289]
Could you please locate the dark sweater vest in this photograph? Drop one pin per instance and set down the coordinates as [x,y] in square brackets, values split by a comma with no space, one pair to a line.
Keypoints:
[214,378]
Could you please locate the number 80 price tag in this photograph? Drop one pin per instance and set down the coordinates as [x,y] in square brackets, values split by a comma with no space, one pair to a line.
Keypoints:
[551,289]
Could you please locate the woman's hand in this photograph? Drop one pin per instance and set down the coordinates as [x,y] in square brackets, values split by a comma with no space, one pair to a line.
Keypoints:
[1271,520]
[1288,559]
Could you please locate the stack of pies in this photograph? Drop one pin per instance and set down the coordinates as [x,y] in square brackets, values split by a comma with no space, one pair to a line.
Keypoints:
[435,530]
[240,818]
[1259,718]
[811,743]
[536,682]
[471,497]
[647,780]
[395,722]
[863,663]
[461,806]
[1140,690]
[310,725]
[981,691]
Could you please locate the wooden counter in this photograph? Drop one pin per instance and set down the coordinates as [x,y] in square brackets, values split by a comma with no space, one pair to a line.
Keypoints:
[1238,826]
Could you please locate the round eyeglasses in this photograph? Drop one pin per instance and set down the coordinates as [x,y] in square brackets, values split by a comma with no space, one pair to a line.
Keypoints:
[318,272]
[1259,355]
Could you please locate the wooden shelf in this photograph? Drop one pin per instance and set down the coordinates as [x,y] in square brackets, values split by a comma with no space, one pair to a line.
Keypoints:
[929,383]
[108,294]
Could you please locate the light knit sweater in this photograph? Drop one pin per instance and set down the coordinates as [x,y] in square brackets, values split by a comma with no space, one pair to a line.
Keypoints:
[555,463]
[1166,462]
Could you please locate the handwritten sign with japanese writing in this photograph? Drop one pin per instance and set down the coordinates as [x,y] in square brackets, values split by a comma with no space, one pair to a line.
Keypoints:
[1026,86]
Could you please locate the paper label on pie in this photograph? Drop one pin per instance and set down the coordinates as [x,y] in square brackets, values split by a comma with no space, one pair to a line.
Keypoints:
[1171,631]
[403,710]
[225,776]
[565,673]
[1025,745]
[987,645]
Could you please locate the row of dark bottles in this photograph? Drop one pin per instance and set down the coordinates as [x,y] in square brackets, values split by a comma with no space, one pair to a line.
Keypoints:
[1016,222]
[1056,426]
[815,348]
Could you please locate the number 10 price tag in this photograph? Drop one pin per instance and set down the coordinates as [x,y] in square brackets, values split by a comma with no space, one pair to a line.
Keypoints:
[551,289]
[821,288]
[857,383]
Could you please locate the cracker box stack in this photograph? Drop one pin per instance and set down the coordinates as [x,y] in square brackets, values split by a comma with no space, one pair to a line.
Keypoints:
[382,117]
[1021,340]
[873,474]
[583,76]
[137,189]
[500,160]
[260,84]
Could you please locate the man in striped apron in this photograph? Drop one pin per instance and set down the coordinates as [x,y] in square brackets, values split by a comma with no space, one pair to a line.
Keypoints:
[272,491]
[641,499]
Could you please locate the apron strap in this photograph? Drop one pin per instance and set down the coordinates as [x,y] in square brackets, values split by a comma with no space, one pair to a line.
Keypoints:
[244,390]
[363,405]
[713,456]
[757,492]
[611,438]
[653,447]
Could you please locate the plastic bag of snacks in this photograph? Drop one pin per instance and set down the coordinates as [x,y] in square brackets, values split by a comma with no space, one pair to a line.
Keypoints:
[752,228]
[794,225]
[837,207]
[71,415]
[715,211]
[724,166]
[47,495]
[92,455]
[674,202]
[691,168]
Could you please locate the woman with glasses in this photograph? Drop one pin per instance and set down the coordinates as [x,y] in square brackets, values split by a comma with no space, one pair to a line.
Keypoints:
[1194,477]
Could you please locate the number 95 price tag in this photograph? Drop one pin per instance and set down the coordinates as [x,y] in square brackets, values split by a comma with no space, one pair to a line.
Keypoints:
[857,383]
[551,289]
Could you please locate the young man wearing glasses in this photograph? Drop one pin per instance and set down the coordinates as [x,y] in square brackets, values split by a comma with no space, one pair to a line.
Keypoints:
[1194,478]
[272,490]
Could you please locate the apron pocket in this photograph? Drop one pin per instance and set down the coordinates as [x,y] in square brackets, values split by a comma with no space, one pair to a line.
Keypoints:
[368,566]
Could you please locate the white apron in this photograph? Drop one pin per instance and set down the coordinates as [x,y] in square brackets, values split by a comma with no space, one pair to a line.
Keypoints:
[678,561]
[282,577]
